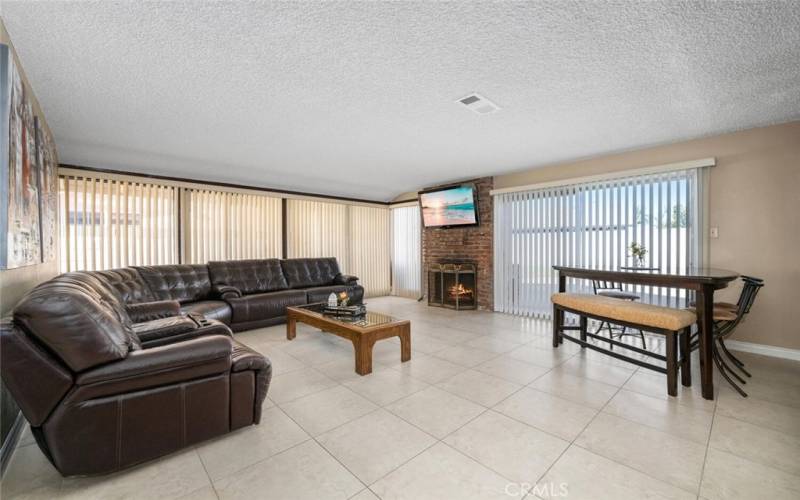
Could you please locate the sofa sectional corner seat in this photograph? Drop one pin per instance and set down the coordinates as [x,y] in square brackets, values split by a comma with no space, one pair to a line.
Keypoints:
[103,393]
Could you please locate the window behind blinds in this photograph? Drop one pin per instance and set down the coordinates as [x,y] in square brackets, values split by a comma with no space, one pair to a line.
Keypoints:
[222,225]
[108,223]
[370,248]
[592,225]
[406,258]
[358,236]
[317,229]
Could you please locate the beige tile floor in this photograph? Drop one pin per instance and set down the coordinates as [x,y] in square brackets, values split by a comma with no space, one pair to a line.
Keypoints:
[485,409]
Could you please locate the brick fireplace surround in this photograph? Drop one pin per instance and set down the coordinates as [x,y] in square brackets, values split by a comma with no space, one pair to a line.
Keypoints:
[468,244]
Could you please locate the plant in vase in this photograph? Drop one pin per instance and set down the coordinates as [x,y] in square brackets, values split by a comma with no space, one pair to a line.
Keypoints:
[638,252]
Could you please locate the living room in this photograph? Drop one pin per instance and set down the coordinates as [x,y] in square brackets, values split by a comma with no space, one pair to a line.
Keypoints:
[399,250]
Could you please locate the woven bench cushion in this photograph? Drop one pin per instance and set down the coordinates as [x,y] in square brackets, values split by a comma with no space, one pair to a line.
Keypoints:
[631,312]
[720,313]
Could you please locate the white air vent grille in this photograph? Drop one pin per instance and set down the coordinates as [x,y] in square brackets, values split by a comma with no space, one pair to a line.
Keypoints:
[478,104]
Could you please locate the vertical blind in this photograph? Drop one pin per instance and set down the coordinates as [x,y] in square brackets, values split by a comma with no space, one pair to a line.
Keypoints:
[109,223]
[370,236]
[317,229]
[406,258]
[222,225]
[358,236]
[592,225]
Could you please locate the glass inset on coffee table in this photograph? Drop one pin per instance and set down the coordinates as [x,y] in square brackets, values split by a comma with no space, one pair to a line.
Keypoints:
[362,331]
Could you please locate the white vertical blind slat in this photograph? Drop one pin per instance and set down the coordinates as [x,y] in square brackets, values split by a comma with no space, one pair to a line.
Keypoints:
[107,224]
[406,257]
[593,224]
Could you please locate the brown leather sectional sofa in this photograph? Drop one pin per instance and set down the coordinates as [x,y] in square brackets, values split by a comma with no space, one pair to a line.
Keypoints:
[114,368]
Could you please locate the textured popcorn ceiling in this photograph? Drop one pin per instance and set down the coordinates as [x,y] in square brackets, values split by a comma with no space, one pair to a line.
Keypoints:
[358,98]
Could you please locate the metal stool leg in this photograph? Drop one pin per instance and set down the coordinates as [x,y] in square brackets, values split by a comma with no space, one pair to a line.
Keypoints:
[733,358]
[724,374]
[729,369]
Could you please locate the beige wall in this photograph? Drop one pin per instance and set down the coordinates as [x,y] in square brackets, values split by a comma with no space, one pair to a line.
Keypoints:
[16,282]
[754,198]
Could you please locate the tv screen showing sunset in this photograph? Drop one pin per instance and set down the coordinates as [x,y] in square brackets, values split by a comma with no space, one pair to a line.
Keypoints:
[449,207]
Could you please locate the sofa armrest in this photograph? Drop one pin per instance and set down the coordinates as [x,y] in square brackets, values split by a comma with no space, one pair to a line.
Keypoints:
[208,327]
[227,292]
[345,279]
[148,311]
[167,364]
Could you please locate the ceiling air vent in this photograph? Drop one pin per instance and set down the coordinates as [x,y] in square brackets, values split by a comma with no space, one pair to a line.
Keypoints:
[478,104]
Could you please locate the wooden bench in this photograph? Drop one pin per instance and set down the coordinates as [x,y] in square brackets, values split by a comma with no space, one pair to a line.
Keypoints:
[674,324]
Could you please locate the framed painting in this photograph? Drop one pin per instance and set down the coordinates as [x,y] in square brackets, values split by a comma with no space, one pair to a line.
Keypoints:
[20,231]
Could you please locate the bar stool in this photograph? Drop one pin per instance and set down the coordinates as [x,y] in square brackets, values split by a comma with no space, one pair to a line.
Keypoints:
[615,291]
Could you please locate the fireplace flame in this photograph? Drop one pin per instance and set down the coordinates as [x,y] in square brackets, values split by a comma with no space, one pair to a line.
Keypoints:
[460,291]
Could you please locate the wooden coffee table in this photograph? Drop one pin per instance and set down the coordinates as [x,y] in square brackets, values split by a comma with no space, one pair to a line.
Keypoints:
[363,332]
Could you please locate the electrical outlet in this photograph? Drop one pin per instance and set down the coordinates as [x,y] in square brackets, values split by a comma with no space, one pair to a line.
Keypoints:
[715,232]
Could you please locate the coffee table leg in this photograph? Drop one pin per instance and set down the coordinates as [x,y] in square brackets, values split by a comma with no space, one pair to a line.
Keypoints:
[405,343]
[291,328]
[362,345]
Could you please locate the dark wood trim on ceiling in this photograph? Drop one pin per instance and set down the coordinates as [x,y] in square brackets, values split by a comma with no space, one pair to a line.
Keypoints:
[403,201]
[224,184]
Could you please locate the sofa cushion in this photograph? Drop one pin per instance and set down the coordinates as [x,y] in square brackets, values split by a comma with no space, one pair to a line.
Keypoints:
[263,306]
[148,311]
[184,283]
[163,327]
[128,284]
[248,276]
[211,309]
[80,326]
[306,273]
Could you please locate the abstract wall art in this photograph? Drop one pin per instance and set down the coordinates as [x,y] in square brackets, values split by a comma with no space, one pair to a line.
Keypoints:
[28,176]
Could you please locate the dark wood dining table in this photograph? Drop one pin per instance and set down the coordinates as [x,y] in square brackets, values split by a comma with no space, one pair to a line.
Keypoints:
[703,281]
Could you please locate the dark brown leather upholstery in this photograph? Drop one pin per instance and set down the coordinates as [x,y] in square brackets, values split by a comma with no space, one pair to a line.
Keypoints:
[306,273]
[265,305]
[259,291]
[103,393]
[148,311]
[211,309]
[85,329]
[163,327]
[128,284]
[177,329]
[248,276]
[184,283]
[45,377]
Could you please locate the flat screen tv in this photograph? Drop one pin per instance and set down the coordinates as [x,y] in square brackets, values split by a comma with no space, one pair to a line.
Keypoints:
[449,207]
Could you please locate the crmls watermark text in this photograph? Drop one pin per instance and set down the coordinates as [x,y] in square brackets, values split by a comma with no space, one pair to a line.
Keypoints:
[546,490]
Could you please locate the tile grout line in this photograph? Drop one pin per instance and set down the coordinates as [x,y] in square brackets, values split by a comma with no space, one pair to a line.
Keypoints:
[602,410]
[313,438]
[572,442]
[205,469]
[708,447]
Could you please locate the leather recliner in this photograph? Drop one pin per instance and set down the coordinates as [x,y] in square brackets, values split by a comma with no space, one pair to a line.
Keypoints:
[258,291]
[106,385]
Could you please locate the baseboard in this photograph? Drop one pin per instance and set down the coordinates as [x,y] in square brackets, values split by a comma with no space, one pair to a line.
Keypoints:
[10,444]
[764,350]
